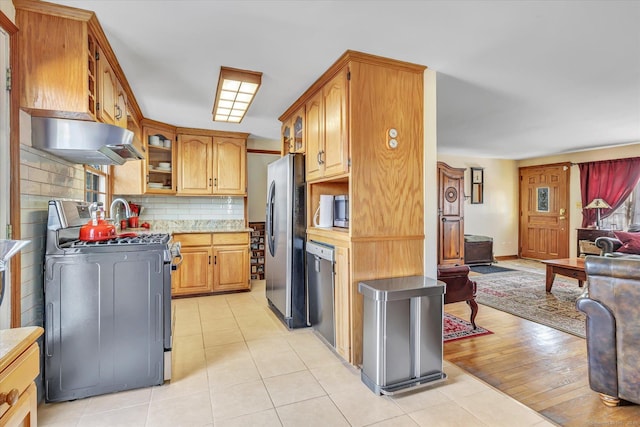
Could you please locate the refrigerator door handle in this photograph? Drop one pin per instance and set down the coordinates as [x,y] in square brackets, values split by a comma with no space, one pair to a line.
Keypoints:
[270,232]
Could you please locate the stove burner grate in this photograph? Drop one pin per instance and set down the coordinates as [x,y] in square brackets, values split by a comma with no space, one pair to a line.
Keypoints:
[141,239]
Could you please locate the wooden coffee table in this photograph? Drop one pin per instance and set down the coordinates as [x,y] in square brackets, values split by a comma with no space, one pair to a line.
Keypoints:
[570,267]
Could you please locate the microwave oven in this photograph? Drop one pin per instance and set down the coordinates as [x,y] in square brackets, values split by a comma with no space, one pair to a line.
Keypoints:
[341,211]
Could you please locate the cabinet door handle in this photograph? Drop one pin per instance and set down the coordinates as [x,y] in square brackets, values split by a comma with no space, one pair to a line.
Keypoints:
[10,398]
[215,182]
[118,112]
[209,259]
[215,260]
[320,153]
[210,182]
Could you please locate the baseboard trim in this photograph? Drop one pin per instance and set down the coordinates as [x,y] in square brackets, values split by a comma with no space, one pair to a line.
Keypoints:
[506,257]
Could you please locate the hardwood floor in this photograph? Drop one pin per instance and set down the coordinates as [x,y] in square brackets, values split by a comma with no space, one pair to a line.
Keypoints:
[543,368]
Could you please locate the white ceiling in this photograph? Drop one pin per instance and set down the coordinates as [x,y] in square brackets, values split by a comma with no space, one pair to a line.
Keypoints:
[516,79]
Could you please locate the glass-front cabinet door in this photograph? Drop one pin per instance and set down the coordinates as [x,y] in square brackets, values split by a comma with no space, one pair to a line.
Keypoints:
[160,161]
[287,141]
[298,131]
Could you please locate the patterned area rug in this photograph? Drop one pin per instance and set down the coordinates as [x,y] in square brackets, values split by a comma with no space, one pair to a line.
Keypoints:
[523,294]
[454,328]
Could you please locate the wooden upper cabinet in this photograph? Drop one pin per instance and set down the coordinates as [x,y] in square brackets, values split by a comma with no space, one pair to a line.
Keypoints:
[298,131]
[67,66]
[314,136]
[336,150]
[287,137]
[195,172]
[129,177]
[211,165]
[107,102]
[57,65]
[111,105]
[121,108]
[230,166]
[158,178]
[293,133]
[327,135]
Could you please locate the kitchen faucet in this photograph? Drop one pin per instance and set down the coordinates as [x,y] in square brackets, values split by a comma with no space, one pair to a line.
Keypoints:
[127,209]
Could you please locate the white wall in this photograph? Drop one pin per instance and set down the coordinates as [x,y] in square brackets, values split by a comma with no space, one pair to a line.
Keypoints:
[257,176]
[430,176]
[257,196]
[497,217]
[6,6]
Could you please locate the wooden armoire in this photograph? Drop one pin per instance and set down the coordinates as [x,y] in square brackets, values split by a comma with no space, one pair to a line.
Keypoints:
[450,215]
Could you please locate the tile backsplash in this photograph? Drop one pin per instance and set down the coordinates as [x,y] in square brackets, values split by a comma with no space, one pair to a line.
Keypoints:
[189,208]
[42,177]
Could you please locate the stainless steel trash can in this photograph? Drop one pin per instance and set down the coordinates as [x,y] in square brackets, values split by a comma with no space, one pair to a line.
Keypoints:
[402,333]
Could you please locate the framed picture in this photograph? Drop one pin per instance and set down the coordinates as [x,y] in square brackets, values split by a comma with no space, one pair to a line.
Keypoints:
[477,176]
[476,194]
[477,186]
[543,199]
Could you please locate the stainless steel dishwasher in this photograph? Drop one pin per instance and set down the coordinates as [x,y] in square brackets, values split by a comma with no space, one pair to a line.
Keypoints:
[320,285]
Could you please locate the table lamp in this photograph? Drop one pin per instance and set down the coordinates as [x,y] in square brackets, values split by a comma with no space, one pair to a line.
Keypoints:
[598,204]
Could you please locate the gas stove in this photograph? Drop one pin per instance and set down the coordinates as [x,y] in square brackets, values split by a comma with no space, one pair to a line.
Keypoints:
[65,218]
[138,239]
[107,307]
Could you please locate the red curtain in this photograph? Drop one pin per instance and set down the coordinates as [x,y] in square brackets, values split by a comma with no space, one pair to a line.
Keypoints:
[610,180]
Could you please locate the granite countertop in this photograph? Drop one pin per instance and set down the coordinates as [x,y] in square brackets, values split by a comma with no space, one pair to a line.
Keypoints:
[192,226]
[16,340]
[207,230]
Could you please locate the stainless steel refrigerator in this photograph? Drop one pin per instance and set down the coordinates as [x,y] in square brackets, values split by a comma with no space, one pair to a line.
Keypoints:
[286,235]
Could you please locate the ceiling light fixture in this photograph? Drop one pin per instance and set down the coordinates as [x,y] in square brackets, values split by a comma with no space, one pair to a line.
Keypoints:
[236,90]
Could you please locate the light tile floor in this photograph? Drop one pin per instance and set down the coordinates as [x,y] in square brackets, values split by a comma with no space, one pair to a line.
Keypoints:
[235,364]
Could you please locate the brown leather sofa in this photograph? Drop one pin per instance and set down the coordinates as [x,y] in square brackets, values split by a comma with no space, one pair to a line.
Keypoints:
[459,288]
[609,245]
[612,306]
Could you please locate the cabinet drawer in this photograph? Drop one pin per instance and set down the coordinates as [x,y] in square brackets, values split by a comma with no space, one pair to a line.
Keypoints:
[20,373]
[196,239]
[230,238]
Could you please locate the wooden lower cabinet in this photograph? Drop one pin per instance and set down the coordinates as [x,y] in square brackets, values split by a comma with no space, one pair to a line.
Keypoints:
[231,268]
[19,366]
[342,303]
[193,276]
[342,294]
[212,262]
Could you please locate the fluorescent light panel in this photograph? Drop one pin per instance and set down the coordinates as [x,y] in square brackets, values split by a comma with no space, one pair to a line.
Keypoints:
[236,90]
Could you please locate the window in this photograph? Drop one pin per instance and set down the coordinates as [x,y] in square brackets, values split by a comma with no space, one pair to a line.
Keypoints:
[628,213]
[96,188]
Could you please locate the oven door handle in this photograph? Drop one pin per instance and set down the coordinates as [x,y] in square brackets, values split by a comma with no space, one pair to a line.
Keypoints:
[175,265]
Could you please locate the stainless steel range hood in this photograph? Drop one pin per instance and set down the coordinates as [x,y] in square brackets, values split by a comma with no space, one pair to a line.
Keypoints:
[83,142]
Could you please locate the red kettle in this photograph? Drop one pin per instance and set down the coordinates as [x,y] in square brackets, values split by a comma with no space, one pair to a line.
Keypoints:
[97,228]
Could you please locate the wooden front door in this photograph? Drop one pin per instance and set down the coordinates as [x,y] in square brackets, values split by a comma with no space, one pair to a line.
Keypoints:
[450,215]
[544,211]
